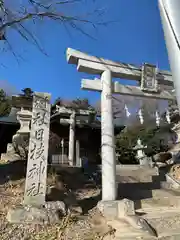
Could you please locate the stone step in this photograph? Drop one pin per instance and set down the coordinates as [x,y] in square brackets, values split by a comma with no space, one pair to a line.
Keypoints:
[174,235]
[134,179]
[160,193]
[157,203]
[125,170]
[139,192]
[166,221]
[136,167]
[166,224]
[161,198]
[125,231]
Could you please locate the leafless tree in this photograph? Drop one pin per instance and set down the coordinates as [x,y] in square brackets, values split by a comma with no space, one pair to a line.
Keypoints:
[17,14]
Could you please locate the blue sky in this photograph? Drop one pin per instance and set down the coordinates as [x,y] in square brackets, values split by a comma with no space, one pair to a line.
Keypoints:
[136,37]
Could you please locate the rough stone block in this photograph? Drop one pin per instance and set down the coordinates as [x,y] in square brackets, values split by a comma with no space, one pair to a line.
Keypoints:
[145,161]
[5,157]
[27,215]
[50,214]
[109,209]
[172,181]
[126,208]
[56,206]
[116,209]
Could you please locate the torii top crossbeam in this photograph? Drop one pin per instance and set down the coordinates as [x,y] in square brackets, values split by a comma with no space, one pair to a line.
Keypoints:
[96,65]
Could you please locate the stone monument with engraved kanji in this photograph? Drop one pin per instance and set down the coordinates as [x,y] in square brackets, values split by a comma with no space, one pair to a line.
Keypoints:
[35,209]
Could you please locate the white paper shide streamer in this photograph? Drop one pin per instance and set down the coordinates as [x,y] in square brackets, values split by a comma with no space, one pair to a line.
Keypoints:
[157,118]
[128,114]
[168,116]
[140,114]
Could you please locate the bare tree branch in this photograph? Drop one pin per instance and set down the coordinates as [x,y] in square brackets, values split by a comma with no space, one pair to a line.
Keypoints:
[16,16]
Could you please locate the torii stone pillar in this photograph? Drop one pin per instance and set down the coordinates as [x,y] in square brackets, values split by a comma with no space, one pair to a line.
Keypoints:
[107,139]
[169,11]
[72,138]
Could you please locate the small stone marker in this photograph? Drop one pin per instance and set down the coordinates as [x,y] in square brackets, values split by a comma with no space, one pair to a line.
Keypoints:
[35,186]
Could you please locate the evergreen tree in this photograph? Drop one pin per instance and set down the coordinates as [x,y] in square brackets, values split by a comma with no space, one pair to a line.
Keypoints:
[5,104]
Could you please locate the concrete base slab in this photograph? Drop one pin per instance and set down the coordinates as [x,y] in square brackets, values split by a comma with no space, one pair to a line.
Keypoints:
[51,213]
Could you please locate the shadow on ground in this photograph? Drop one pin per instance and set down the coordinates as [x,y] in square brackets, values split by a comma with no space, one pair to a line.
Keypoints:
[63,183]
[89,203]
[70,182]
[67,181]
[12,171]
[137,191]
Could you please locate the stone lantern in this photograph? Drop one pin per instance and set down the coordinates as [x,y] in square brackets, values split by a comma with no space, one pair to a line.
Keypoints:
[20,140]
[18,149]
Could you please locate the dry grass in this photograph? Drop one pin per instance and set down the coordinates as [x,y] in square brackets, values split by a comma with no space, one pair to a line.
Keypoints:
[71,227]
[175,171]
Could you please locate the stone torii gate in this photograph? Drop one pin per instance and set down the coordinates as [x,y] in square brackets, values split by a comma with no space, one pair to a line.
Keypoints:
[72,121]
[151,82]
